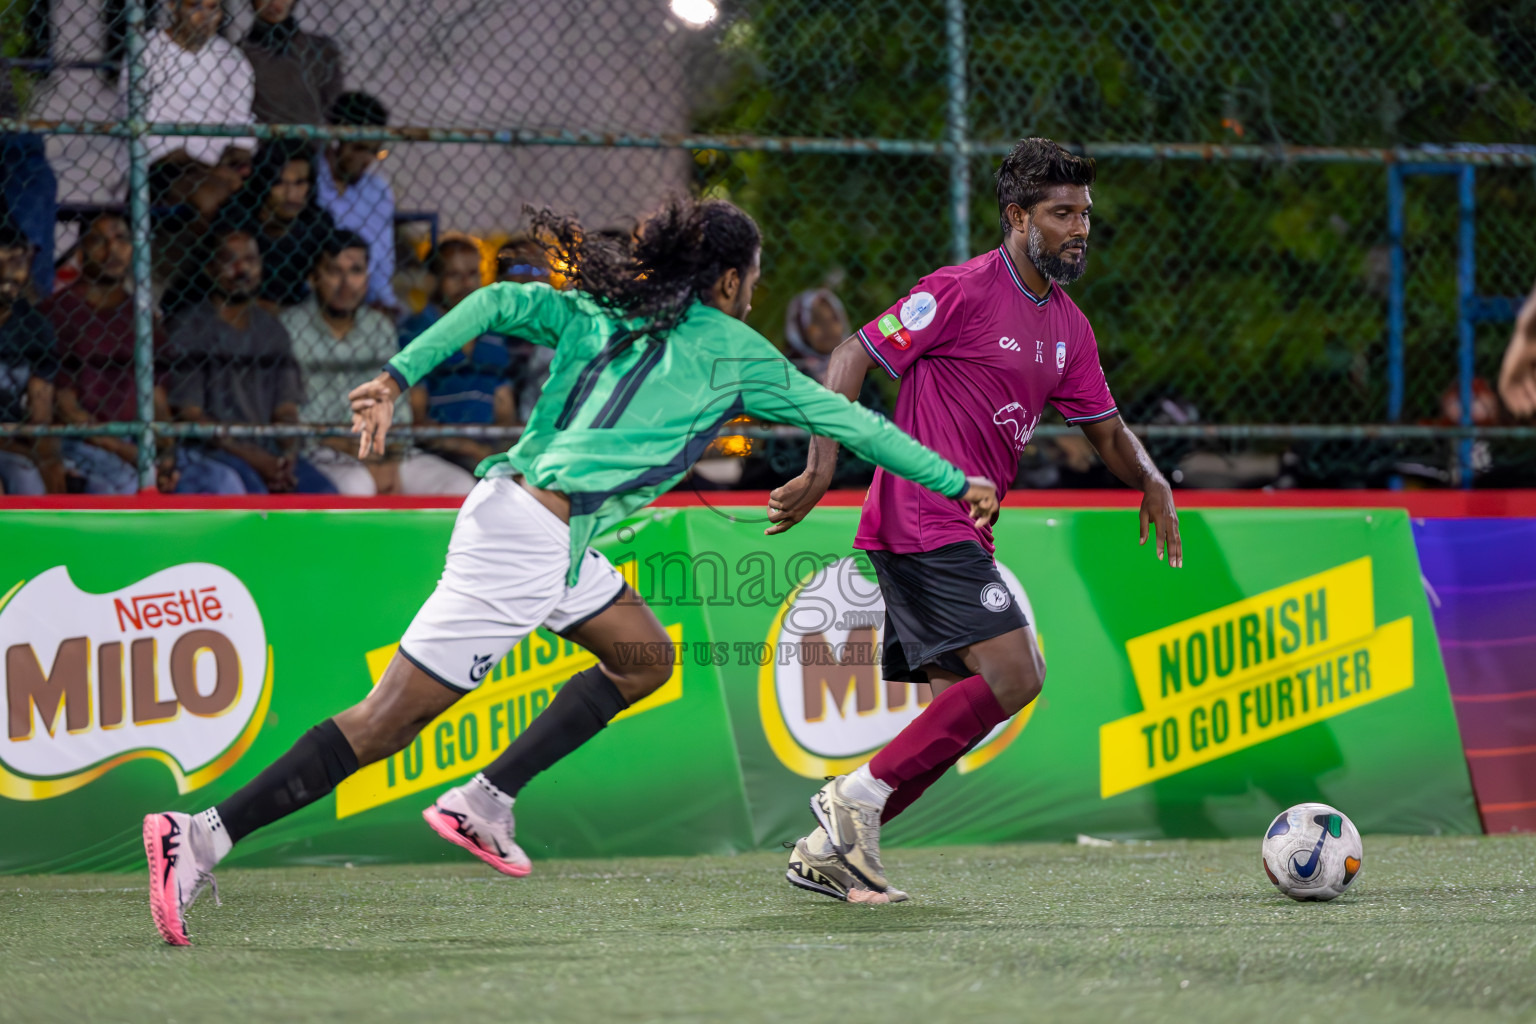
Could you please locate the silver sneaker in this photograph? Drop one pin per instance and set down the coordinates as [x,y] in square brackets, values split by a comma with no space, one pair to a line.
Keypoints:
[854,829]
[830,876]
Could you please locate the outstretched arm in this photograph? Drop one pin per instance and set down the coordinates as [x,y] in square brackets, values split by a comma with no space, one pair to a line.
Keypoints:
[1128,460]
[533,311]
[794,501]
[799,401]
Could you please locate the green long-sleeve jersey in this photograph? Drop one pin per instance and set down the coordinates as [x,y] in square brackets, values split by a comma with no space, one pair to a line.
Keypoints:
[619,422]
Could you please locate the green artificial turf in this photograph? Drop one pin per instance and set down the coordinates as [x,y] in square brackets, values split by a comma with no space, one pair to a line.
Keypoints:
[1436,930]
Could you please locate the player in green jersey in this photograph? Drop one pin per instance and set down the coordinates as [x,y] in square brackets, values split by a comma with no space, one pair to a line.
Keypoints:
[650,357]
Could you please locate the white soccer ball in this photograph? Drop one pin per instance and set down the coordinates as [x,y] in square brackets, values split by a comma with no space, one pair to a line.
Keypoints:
[1312,852]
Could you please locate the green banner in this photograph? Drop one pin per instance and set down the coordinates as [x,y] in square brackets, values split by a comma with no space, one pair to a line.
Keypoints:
[1292,659]
[159,660]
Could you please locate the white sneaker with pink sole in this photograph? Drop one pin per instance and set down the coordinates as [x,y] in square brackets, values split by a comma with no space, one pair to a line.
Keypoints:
[486,833]
[179,870]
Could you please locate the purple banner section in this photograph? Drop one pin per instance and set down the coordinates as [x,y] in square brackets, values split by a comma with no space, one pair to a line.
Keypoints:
[1480,576]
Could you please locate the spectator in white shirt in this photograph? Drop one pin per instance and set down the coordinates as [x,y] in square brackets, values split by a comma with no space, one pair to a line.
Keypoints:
[192,75]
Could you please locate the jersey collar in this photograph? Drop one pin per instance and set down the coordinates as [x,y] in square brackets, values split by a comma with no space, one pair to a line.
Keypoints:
[1018,279]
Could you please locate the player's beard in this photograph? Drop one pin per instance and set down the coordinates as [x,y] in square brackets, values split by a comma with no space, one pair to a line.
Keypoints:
[1052,266]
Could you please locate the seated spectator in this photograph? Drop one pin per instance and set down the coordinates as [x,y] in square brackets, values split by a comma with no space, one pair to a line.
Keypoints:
[340,343]
[230,361]
[93,321]
[193,75]
[814,325]
[475,384]
[28,365]
[279,208]
[28,187]
[359,198]
[288,222]
[298,74]
[522,259]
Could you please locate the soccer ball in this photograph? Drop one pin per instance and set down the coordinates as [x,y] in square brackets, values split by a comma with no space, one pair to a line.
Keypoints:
[1312,852]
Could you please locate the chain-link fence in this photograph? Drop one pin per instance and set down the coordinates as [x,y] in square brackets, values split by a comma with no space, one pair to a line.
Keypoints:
[1312,226]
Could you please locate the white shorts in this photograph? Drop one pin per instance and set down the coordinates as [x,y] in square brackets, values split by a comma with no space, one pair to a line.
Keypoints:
[507,562]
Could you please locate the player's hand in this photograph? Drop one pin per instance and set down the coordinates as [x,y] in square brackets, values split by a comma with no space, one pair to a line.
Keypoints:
[373,410]
[1517,379]
[1157,509]
[789,504]
[982,497]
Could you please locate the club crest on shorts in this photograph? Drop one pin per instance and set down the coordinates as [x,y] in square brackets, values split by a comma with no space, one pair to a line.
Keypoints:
[995,597]
[480,666]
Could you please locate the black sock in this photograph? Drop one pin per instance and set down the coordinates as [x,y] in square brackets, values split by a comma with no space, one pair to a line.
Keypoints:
[312,767]
[581,710]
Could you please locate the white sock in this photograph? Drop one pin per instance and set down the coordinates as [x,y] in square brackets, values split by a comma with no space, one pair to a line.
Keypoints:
[819,844]
[487,787]
[212,826]
[861,785]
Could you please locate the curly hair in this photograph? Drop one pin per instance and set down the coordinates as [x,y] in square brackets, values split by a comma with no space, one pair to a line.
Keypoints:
[653,275]
[1032,167]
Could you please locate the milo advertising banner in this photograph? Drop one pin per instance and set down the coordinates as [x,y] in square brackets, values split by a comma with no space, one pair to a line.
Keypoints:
[1292,659]
[159,660]
[186,641]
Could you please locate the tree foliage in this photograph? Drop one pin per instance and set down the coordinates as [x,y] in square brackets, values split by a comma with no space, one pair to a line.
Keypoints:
[1255,290]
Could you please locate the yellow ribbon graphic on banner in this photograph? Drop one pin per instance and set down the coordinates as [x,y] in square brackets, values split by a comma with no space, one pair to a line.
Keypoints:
[469,735]
[1253,670]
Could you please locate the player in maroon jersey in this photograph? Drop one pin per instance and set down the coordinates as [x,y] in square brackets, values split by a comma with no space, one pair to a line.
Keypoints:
[979,350]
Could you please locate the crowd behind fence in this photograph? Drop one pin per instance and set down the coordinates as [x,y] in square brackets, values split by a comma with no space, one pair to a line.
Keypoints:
[1313,231]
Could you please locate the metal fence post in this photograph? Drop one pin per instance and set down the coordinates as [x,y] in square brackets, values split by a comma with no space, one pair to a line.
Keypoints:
[138,223]
[958,131]
[1395,291]
[1466,292]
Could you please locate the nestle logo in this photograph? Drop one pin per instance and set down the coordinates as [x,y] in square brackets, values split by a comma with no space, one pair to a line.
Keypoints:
[171,608]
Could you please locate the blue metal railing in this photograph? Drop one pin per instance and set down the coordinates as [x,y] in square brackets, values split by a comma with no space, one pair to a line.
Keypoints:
[1471,308]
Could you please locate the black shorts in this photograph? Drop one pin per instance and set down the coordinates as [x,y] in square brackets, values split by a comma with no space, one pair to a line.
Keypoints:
[938,602]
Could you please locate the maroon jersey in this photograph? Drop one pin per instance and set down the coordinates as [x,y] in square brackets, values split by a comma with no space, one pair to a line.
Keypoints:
[978,356]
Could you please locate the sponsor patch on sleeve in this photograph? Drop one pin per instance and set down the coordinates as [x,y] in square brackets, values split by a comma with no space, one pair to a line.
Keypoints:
[891,329]
[918,311]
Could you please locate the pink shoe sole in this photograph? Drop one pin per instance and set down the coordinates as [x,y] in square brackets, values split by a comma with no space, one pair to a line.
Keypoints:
[162,897]
[444,827]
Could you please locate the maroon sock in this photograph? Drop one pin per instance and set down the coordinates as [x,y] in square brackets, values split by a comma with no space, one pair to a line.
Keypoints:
[945,730]
[907,793]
